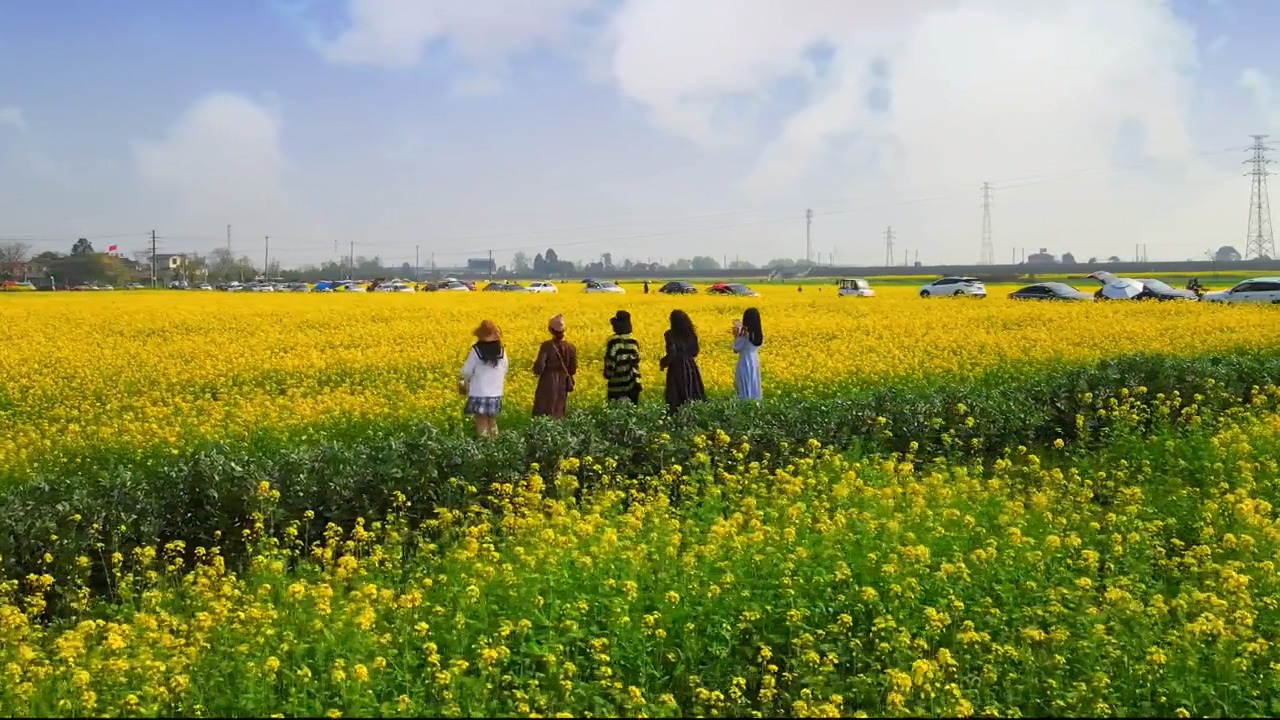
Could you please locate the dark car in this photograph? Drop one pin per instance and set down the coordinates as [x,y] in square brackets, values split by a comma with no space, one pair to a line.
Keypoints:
[503,287]
[678,287]
[732,289]
[1049,291]
[1153,289]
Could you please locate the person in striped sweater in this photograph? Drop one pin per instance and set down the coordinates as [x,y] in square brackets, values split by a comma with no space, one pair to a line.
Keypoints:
[622,361]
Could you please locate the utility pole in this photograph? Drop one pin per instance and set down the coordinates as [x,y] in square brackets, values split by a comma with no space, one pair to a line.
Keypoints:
[351,260]
[490,266]
[228,242]
[888,247]
[153,259]
[1260,242]
[808,238]
[988,256]
[266,256]
[417,265]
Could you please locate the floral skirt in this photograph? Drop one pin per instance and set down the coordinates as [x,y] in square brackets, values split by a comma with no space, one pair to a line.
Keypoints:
[487,406]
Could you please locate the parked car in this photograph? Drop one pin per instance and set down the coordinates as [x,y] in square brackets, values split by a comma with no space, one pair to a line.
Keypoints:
[1115,288]
[542,287]
[504,286]
[449,281]
[854,287]
[206,286]
[133,286]
[955,286]
[1049,291]
[603,286]
[1257,290]
[453,286]
[737,289]
[678,287]
[1153,289]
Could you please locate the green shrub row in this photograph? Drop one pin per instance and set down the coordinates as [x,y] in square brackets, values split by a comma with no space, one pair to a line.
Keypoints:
[203,497]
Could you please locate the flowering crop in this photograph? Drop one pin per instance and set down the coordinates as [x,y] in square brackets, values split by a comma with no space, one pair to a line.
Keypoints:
[1137,579]
[132,372]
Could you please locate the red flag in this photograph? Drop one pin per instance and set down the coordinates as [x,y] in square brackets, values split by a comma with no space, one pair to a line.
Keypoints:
[112,248]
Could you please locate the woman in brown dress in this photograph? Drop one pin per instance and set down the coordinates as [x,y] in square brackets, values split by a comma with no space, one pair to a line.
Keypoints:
[555,367]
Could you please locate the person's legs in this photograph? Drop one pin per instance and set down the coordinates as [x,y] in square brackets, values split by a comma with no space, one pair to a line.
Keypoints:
[482,425]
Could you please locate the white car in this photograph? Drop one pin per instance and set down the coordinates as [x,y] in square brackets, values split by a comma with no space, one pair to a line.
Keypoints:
[855,287]
[206,286]
[454,286]
[603,286]
[1257,290]
[954,287]
[396,287]
[541,287]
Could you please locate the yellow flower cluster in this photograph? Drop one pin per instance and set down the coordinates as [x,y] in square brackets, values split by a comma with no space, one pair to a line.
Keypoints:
[144,370]
[832,587]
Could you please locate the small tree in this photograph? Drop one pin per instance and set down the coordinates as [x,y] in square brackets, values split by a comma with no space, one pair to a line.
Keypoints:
[13,258]
[1226,253]
[82,247]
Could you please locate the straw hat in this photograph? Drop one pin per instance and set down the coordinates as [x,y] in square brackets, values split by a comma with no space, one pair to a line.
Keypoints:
[556,324]
[488,332]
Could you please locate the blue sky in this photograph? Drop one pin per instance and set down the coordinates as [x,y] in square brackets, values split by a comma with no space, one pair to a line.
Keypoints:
[643,128]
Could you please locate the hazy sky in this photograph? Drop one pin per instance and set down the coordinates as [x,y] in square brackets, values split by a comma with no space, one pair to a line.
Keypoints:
[644,128]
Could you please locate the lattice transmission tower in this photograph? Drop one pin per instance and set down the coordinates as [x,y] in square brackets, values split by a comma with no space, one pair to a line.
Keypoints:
[988,256]
[1260,243]
[888,247]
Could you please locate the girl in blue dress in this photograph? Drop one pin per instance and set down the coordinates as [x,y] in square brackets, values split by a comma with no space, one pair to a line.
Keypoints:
[747,339]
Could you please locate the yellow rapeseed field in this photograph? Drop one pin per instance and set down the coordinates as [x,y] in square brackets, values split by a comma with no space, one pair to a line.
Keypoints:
[137,370]
[833,588]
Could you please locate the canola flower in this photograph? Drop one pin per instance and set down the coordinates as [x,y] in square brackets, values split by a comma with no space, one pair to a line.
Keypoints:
[833,586]
[132,373]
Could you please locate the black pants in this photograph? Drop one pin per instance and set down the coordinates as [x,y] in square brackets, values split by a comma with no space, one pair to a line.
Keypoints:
[632,395]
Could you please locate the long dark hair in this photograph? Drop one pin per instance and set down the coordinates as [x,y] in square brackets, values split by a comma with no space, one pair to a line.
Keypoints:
[682,327]
[751,323]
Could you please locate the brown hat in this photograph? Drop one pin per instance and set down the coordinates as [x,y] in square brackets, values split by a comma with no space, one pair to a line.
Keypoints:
[488,332]
[556,324]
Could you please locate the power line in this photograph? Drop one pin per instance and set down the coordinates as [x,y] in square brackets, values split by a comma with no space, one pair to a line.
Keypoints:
[316,244]
[1259,243]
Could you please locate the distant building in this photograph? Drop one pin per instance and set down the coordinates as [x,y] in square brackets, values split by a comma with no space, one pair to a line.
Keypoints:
[170,261]
[1044,257]
[480,265]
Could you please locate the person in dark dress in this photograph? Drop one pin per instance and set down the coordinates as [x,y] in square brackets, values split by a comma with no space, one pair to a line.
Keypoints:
[684,380]
[555,366]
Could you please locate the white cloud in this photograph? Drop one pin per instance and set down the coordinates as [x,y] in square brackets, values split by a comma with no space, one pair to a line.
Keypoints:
[977,86]
[221,163]
[13,117]
[1262,94]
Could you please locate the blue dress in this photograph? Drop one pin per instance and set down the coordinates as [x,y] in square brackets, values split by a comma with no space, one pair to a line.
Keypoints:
[746,376]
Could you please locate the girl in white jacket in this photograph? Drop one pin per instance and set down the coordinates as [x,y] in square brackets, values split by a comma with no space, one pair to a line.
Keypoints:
[482,378]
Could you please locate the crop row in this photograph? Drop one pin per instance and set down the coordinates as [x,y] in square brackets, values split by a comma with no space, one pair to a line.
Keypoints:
[58,522]
[1136,577]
